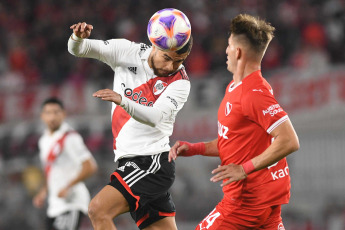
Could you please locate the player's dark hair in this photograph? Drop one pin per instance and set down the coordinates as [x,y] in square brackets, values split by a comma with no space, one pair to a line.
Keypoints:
[53,100]
[258,32]
[186,48]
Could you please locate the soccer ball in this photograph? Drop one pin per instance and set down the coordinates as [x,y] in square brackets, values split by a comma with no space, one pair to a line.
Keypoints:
[169,29]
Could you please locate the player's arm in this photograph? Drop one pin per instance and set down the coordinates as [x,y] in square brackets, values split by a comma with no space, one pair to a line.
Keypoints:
[78,152]
[106,51]
[166,107]
[285,142]
[89,167]
[39,199]
[186,149]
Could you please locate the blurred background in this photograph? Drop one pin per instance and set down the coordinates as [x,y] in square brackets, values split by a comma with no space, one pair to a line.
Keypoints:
[305,64]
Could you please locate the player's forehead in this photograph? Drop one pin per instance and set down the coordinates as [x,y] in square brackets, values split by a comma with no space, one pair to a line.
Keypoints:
[174,56]
[51,106]
[230,39]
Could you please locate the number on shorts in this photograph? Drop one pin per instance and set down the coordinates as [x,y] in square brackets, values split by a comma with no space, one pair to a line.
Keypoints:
[210,219]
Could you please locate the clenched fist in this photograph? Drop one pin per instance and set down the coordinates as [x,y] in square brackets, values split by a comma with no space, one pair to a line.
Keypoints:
[82,30]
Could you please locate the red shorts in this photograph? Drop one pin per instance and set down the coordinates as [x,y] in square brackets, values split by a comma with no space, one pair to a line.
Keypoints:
[241,219]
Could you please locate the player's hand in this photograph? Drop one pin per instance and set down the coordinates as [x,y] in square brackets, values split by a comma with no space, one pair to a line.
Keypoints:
[230,172]
[176,150]
[108,95]
[63,193]
[39,199]
[81,29]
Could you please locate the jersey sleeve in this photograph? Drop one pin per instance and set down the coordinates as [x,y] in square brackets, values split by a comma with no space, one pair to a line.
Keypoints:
[76,148]
[260,106]
[40,149]
[110,52]
[164,109]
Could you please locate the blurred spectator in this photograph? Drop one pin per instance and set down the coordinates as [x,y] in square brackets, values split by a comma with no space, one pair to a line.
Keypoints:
[41,29]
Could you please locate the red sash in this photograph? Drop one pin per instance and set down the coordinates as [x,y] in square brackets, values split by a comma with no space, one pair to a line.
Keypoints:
[55,151]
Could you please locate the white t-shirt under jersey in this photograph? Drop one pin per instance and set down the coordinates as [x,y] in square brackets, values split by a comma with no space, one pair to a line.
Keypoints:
[144,121]
[64,169]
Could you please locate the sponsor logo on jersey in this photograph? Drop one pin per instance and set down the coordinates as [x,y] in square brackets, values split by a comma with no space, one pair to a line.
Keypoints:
[106,42]
[257,90]
[228,108]
[272,110]
[223,130]
[133,69]
[280,173]
[136,96]
[159,87]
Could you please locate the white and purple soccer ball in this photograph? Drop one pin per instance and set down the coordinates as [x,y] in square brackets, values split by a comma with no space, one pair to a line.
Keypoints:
[169,29]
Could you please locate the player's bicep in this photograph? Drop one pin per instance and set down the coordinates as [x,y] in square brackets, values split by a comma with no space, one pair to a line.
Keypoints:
[113,51]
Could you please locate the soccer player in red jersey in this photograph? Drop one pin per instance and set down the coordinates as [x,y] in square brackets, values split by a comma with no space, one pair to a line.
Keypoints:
[254,137]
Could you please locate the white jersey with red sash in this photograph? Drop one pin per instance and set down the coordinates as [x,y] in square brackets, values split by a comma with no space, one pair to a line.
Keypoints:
[139,87]
[62,154]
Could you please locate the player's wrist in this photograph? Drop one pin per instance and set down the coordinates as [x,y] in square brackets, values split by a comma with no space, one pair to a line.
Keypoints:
[194,148]
[74,37]
[248,167]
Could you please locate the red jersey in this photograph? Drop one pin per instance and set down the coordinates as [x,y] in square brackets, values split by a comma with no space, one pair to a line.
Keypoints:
[246,117]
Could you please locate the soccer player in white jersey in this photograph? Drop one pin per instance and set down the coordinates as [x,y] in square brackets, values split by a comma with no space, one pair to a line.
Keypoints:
[150,87]
[67,163]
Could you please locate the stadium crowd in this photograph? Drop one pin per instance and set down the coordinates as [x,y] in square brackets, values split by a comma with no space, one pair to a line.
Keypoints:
[34,34]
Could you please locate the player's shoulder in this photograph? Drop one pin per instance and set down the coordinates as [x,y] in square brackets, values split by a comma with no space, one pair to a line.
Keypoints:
[255,86]
[143,47]
[123,44]
[72,134]
[180,74]
[41,140]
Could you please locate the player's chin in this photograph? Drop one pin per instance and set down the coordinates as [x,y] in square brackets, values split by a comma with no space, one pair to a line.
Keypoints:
[162,73]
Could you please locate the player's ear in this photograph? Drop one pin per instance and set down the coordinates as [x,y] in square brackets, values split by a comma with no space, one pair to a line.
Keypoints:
[238,53]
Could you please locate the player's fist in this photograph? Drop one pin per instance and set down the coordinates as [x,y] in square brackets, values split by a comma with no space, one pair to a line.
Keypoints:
[81,29]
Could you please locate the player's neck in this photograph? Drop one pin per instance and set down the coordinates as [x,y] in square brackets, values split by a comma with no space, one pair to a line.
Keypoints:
[245,69]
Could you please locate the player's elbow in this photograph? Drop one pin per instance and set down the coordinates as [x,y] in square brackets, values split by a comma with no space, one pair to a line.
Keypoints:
[90,166]
[293,144]
[94,167]
[296,145]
